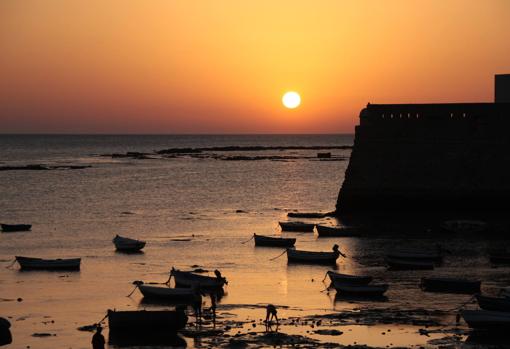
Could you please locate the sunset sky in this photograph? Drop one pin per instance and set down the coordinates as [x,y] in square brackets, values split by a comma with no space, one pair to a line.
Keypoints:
[169,66]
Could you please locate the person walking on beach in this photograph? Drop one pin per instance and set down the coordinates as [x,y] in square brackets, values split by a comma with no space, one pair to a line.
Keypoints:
[98,339]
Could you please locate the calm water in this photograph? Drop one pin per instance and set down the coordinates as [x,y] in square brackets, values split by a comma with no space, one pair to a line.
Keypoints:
[77,213]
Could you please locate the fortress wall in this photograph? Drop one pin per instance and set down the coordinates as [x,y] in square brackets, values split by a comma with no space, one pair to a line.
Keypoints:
[429,157]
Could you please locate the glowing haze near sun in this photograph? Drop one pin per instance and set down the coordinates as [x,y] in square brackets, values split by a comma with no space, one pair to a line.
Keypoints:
[180,66]
[291,100]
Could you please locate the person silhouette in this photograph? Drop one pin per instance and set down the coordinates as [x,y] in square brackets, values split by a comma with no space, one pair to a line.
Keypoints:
[98,339]
[271,312]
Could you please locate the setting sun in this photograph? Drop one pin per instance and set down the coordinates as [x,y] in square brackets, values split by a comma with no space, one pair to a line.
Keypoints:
[291,100]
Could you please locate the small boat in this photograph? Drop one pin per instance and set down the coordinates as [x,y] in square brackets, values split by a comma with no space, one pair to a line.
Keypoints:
[505,292]
[450,285]
[139,320]
[127,245]
[297,226]
[167,293]
[29,263]
[325,231]
[493,303]
[311,257]
[261,240]
[306,215]
[408,264]
[464,226]
[487,320]
[7,228]
[361,290]
[189,279]
[417,255]
[347,279]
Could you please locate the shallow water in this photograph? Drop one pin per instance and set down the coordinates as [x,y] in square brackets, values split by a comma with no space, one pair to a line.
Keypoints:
[76,214]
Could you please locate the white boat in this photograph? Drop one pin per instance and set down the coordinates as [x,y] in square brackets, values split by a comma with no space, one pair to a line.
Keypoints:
[189,279]
[464,226]
[297,226]
[487,320]
[29,263]
[127,244]
[347,279]
[312,257]
[166,293]
[361,290]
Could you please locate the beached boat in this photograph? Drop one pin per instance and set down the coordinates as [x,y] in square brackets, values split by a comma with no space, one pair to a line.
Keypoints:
[416,255]
[408,264]
[127,245]
[168,320]
[325,231]
[189,279]
[15,227]
[493,303]
[29,263]
[167,293]
[306,215]
[450,285]
[361,290]
[487,320]
[297,226]
[261,240]
[347,279]
[464,226]
[312,257]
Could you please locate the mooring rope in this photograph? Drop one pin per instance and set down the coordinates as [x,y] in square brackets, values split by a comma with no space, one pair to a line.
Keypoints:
[10,265]
[325,276]
[272,259]
[247,240]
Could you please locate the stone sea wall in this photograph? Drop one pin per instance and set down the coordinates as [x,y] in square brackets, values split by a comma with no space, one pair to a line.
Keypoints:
[430,157]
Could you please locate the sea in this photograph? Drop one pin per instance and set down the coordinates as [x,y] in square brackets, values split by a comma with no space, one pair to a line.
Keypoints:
[200,210]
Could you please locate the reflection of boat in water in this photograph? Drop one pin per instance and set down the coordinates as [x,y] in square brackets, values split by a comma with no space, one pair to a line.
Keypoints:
[361,290]
[123,338]
[270,241]
[312,257]
[347,279]
[487,320]
[8,228]
[450,285]
[306,215]
[189,279]
[124,244]
[297,226]
[29,263]
[493,303]
[143,320]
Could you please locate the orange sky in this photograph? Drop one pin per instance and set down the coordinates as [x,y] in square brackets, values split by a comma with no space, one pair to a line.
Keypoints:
[170,66]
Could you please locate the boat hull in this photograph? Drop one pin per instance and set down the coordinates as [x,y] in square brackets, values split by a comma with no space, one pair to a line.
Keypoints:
[188,279]
[128,245]
[450,285]
[406,264]
[297,226]
[142,320]
[166,293]
[308,257]
[8,228]
[346,279]
[487,320]
[28,263]
[268,241]
[493,303]
[361,290]
[325,232]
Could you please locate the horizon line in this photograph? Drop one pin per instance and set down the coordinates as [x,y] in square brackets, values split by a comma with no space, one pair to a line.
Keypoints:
[175,134]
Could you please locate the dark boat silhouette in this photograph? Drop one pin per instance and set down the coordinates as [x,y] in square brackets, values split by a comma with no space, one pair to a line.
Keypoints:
[15,227]
[270,241]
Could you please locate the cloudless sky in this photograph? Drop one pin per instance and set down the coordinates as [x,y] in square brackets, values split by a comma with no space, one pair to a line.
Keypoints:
[171,66]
